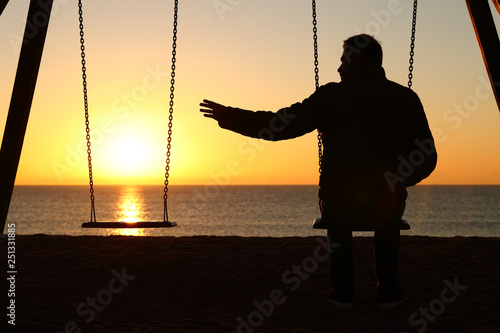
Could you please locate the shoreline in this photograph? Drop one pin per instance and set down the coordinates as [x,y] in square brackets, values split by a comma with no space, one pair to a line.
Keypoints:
[4,237]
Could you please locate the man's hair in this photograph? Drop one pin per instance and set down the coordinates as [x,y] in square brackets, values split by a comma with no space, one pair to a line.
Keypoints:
[366,45]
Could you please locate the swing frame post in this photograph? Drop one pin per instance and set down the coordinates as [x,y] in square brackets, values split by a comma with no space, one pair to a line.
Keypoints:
[3,4]
[21,100]
[487,39]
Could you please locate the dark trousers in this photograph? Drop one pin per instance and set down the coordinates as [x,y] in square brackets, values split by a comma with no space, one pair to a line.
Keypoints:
[386,252]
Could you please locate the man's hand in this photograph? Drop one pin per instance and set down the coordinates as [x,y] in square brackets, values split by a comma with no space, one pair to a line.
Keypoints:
[211,109]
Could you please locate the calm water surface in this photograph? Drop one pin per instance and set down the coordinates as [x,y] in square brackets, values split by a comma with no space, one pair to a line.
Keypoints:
[266,211]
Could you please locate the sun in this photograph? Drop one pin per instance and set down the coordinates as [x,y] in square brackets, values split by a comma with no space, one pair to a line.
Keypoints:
[130,154]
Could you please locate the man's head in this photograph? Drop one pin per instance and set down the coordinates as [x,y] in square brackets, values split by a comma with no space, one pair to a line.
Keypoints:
[359,50]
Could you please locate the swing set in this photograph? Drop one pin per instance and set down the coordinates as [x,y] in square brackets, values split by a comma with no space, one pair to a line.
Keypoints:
[120,224]
[29,63]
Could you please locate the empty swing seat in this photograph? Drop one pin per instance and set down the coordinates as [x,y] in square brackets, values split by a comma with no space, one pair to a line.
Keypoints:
[129,225]
[320,223]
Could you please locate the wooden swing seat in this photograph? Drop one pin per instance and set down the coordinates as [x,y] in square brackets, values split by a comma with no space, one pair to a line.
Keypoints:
[319,223]
[130,225]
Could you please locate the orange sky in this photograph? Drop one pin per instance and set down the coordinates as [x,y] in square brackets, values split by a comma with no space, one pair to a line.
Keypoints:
[252,54]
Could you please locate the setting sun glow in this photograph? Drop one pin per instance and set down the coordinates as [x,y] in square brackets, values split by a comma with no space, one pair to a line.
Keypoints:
[128,154]
[227,58]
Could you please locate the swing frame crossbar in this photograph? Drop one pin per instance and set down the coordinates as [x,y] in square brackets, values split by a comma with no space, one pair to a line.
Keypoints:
[130,225]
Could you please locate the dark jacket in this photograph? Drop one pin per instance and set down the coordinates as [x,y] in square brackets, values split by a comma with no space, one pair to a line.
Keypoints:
[376,141]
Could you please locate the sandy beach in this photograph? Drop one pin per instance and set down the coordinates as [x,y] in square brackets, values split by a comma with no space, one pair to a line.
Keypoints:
[236,284]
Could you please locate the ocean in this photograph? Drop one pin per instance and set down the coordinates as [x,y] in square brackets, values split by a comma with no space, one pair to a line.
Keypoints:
[248,211]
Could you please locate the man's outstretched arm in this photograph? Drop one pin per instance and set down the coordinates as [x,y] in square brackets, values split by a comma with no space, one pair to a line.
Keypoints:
[286,123]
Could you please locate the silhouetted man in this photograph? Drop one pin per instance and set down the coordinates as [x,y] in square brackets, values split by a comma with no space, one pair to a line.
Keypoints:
[376,143]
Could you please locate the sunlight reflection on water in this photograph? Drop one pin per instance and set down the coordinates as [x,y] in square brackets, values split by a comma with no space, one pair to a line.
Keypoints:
[130,207]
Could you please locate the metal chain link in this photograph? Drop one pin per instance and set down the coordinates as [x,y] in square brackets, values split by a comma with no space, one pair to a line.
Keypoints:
[316,77]
[170,111]
[85,100]
[412,44]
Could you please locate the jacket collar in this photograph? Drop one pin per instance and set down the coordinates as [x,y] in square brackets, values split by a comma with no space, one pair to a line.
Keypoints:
[366,72]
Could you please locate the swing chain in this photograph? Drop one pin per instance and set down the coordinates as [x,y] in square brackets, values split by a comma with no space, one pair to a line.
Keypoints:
[412,44]
[315,38]
[170,111]
[85,100]
[316,78]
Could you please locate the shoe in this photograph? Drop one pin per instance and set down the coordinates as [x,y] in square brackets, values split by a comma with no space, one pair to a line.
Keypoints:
[389,302]
[342,304]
